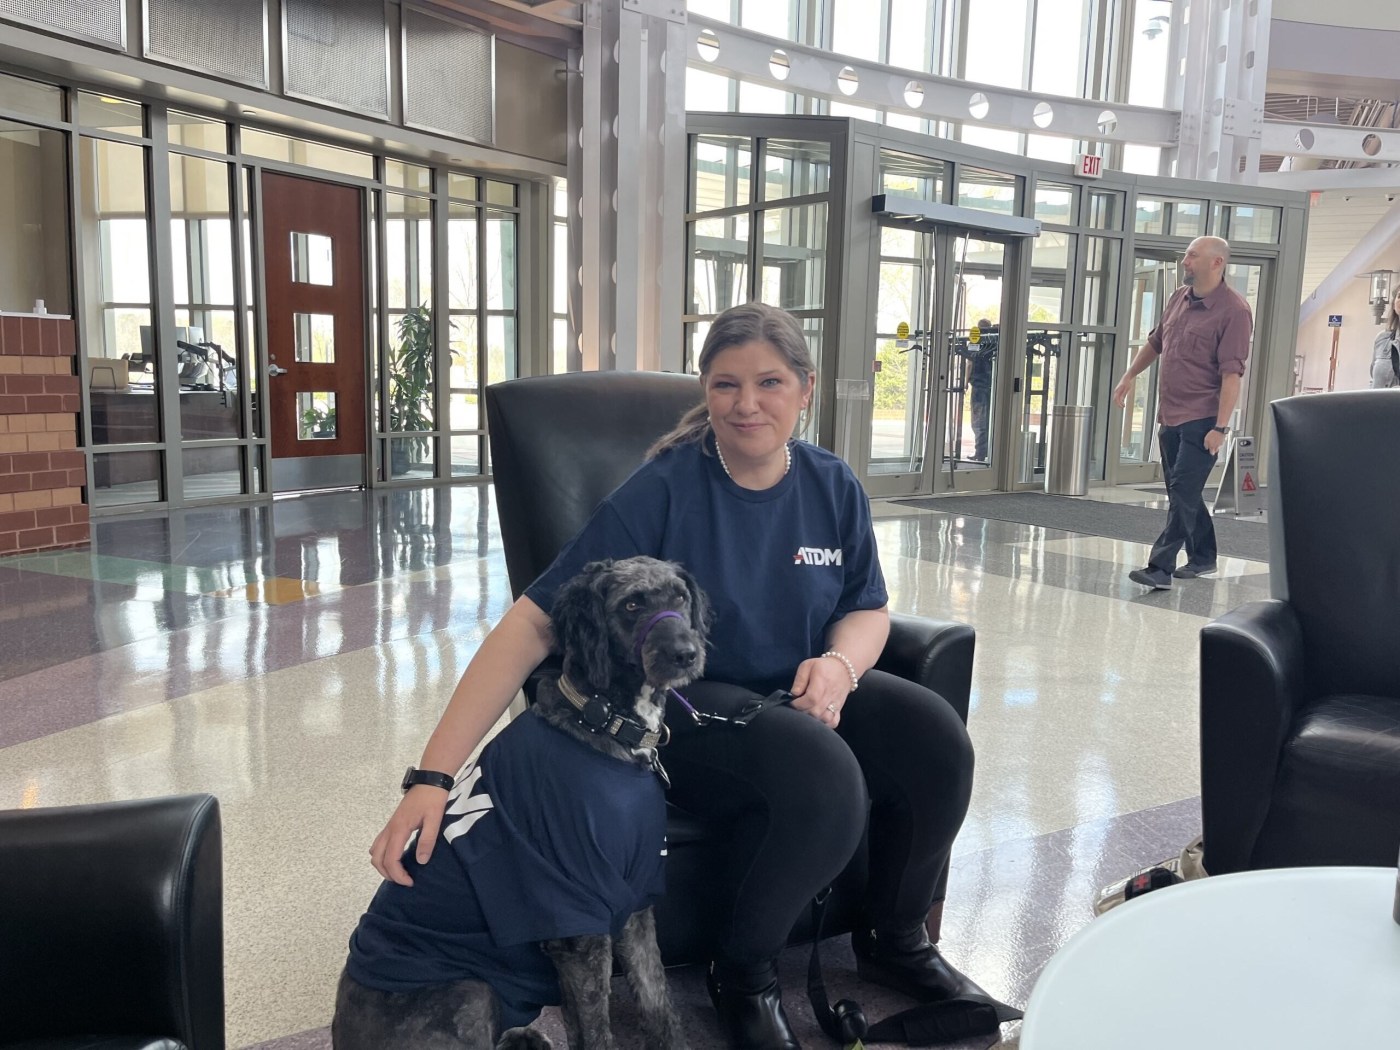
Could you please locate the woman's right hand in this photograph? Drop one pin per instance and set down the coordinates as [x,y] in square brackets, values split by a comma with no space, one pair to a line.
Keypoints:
[420,810]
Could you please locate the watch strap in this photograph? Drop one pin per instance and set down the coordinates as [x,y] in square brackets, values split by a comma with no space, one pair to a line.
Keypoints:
[413,777]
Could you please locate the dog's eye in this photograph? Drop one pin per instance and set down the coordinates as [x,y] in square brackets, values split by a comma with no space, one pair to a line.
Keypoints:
[631,605]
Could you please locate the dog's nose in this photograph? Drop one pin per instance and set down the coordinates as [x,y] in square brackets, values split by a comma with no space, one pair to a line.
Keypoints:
[685,655]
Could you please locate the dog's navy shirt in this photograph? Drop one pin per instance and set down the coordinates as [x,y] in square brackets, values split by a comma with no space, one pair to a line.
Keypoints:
[780,565]
[544,837]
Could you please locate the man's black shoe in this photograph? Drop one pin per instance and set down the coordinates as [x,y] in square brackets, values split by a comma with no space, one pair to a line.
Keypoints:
[1190,572]
[752,1021]
[909,963]
[1150,577]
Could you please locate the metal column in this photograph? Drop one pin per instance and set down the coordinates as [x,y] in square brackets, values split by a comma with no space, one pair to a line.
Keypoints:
[627,171]
[1222,48]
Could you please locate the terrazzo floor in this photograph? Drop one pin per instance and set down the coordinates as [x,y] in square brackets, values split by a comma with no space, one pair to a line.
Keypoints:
[292,658]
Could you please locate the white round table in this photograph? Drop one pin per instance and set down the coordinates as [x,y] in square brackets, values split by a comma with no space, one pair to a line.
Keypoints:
[1288,959]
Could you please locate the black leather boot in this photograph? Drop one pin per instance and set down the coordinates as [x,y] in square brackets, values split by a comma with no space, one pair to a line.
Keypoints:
[908,962]
[751,1020]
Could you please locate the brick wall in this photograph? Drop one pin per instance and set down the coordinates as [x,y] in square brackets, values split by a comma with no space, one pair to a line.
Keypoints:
[42,472]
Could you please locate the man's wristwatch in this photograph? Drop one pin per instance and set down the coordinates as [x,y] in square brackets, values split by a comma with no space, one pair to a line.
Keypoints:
[1222,430]
[426,776]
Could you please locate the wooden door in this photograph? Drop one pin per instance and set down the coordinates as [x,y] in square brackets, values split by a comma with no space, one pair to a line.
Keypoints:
[313,246]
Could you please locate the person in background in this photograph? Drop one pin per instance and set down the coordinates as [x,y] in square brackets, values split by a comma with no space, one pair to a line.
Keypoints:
[1385,355]
[983,357]
[1202,343]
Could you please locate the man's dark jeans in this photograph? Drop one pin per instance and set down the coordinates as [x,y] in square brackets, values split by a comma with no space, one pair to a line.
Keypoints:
[1186,464]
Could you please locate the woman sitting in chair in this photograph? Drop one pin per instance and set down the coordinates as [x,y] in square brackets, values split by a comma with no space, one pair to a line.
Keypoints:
[778,532]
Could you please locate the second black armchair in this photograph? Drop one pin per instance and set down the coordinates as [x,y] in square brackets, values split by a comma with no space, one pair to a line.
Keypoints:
[111,926]
[1300,694]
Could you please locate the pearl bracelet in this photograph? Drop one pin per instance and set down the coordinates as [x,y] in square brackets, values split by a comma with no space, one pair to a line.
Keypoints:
[855,678]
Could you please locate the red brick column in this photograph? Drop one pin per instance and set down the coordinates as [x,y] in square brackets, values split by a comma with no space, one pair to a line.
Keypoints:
[42,472]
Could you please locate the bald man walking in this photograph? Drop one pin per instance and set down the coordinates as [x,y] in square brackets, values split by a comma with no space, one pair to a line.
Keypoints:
[1202,342]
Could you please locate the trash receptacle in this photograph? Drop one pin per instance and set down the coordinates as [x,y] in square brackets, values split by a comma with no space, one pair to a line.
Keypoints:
[1067,464]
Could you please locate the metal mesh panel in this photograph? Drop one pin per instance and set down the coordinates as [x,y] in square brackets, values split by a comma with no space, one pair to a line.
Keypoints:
[91,19]
[448,77]
[224,37]
[337,52]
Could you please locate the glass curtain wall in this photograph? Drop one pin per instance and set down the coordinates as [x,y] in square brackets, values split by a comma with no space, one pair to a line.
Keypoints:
[164,259]
[757,231]
[483,272]
[210,344]
[1070,305]
[116,309]
[1075,48]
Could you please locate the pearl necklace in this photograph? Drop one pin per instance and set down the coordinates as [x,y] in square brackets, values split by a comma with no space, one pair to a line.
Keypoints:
[787,460]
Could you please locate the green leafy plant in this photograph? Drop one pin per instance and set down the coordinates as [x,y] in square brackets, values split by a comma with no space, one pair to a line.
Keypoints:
[411,380]
[318,422]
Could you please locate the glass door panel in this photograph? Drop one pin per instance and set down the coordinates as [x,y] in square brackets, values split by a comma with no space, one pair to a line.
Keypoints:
[1043,349]
[899,417]
[974,335]
[933,424]
[1248,279]
[1154,280]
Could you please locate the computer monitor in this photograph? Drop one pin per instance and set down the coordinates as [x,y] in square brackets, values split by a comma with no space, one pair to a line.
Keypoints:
[190,334]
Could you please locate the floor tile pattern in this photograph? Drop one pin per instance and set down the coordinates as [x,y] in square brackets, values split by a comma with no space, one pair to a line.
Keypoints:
[292,658]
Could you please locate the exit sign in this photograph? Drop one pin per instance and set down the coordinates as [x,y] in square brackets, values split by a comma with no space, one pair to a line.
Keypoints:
[1088,166]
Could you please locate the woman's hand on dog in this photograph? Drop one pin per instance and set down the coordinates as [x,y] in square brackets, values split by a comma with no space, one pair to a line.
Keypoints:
[420,810]
[820,689]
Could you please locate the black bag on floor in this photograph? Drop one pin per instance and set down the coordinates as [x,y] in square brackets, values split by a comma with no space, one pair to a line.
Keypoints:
[928,1024]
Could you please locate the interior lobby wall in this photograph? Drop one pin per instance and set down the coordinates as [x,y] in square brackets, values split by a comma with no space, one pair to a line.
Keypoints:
[1358,333]
[532,116]
[1358,14]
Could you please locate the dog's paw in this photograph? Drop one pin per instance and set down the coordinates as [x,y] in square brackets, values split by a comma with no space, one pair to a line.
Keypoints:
[523,1039]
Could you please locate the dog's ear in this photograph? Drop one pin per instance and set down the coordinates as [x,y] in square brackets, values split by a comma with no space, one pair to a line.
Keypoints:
[579,619]
[700,613]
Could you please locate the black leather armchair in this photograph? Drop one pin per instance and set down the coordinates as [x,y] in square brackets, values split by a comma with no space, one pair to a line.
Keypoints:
[1300,694]
[559,445]
[111,926]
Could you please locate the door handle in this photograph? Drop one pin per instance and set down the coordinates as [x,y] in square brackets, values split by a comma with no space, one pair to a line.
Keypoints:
[276,370]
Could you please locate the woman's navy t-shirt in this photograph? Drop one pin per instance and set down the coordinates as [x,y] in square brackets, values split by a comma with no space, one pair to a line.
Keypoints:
[780,566]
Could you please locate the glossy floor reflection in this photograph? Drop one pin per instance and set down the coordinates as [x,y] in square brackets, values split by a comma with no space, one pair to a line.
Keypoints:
[292,659]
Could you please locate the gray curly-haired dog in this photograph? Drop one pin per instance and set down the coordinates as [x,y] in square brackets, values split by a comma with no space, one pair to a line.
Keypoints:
[465,958]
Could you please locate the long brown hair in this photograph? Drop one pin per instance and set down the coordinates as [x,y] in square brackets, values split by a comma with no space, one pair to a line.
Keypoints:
[750,322]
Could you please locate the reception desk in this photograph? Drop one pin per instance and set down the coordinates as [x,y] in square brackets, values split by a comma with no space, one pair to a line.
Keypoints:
[121,417]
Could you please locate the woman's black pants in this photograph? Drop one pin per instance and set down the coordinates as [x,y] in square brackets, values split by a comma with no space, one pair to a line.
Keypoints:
[797,795]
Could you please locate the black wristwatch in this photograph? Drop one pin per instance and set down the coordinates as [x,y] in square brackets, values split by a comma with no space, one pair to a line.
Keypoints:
[1222,430]
[414,777]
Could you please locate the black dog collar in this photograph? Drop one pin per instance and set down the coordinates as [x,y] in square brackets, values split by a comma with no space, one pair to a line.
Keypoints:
[598,716]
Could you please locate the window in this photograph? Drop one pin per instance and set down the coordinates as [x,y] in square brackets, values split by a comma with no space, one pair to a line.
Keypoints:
[201,236]
[115,237]
[33,219]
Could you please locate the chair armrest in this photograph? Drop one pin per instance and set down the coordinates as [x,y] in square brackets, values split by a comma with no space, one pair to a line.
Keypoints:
[936,654]
[113,922]
[1252,686]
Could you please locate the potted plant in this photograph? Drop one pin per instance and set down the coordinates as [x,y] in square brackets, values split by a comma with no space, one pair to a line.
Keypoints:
[411,386]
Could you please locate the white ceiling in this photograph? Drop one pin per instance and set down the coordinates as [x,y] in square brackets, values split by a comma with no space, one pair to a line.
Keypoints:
[1336,223]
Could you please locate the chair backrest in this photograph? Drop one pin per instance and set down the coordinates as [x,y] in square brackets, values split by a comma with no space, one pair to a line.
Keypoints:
[1334,506]
[560,444]
[111,921]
